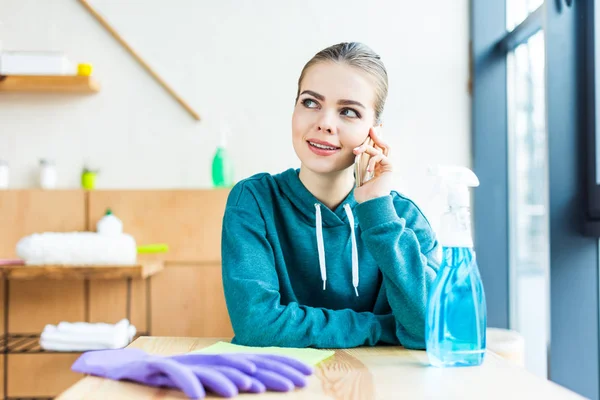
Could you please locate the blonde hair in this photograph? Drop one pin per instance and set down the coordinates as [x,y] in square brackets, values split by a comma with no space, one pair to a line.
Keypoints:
[360,56]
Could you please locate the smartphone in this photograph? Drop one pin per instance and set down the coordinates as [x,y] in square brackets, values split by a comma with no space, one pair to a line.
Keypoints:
[361,162]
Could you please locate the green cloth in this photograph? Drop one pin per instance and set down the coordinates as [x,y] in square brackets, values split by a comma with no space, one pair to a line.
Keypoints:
[307,355]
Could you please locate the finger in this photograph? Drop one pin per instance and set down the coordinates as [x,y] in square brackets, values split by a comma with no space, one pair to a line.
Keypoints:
[257,386]
[375,160]
[282,369]
[239,379]
[181,376]
[163,380]
[274,381]
[292,362]
[238,363]
[214,380]
[372,151]
[379,142]
[359,150]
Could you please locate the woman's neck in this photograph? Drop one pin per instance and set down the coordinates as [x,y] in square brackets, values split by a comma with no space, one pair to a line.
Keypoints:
[330,189]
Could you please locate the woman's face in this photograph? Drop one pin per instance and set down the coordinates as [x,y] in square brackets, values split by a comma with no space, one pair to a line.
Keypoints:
[333,115]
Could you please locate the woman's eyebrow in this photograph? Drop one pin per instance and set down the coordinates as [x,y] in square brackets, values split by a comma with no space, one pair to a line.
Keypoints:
[342,102]
[350,103]
[314,94]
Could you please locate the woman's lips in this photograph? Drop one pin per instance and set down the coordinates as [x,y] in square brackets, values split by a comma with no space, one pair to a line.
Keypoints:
[322,148]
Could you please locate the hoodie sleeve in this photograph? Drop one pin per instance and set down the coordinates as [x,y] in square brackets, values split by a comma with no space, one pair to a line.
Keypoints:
[251,287]
[403,244]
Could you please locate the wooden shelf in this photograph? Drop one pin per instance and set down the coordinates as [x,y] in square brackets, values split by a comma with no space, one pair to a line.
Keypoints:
[49,84]
[92,272]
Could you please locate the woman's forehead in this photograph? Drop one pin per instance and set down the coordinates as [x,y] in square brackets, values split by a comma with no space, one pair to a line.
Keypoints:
[338,81]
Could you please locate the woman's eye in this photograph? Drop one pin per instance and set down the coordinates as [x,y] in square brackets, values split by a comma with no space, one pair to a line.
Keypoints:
[309,103]
[348,112]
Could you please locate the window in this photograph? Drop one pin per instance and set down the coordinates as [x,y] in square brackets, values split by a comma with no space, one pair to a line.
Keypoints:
[511,157]
[536,117]
[518,10]
[528,200]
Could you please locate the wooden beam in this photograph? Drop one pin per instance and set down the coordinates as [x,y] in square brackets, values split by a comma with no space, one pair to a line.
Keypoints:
[139,59]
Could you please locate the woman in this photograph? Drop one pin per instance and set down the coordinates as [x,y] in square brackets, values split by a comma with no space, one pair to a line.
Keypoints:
[310,261]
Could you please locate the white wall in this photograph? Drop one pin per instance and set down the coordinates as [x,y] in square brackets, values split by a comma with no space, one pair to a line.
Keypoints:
[231,59]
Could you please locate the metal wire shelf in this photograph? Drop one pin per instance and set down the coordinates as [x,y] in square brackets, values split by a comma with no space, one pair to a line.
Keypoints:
[29,343]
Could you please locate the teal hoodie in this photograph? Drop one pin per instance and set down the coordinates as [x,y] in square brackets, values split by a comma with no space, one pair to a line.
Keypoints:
[297,274]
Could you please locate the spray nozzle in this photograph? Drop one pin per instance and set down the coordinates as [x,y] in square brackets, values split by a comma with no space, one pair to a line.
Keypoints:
[454,183]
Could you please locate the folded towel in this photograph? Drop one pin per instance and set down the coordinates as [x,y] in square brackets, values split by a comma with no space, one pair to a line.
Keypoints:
[86,327]
[111,338]
[10,261]
[57,346]
[77,248]
[81,336]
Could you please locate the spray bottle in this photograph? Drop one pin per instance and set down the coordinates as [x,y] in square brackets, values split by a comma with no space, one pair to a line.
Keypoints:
[456,319]
[109,224]
[222,166]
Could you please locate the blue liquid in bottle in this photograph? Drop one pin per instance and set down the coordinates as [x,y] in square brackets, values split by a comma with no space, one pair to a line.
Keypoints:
[455,329]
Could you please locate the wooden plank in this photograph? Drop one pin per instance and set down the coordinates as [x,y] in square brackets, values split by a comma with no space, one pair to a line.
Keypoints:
[35,303]
[149,268]
[360,373]
[40,375]
[23,212]
[188,300]
[2,373]
[108,302]
[189,221]
[49,84]
[2,308]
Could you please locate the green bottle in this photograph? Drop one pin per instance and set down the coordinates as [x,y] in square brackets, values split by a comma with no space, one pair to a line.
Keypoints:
[222,166]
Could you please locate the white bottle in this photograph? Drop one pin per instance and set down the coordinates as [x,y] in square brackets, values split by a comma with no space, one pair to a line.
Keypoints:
[47,174]
[109,224]
[3,174]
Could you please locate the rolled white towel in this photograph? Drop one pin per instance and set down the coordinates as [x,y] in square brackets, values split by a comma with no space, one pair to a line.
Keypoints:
[95,327]
[60,346]
[82,336]
[77,248]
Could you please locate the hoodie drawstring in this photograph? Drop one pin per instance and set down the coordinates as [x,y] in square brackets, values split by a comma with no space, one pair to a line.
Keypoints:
[321,246]
[354,249]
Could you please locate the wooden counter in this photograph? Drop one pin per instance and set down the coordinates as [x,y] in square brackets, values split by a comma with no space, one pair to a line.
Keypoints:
[362,373]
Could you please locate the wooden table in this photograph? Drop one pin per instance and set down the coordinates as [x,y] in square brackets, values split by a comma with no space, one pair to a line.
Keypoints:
[361,373]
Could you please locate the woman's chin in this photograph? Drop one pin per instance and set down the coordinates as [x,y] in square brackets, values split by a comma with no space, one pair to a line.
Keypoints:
[323,167]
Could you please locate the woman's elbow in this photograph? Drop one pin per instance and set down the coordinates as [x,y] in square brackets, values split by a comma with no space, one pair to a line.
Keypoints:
[253,332]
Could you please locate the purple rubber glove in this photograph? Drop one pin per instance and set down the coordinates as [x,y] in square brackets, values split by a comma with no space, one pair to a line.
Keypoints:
[225,375]
[262,372]
[138,366]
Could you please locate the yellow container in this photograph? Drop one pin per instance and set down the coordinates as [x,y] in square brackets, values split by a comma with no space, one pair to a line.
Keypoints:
[84,69]
[88,179]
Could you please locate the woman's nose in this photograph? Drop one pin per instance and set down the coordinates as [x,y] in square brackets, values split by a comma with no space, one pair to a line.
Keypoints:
[325,125]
